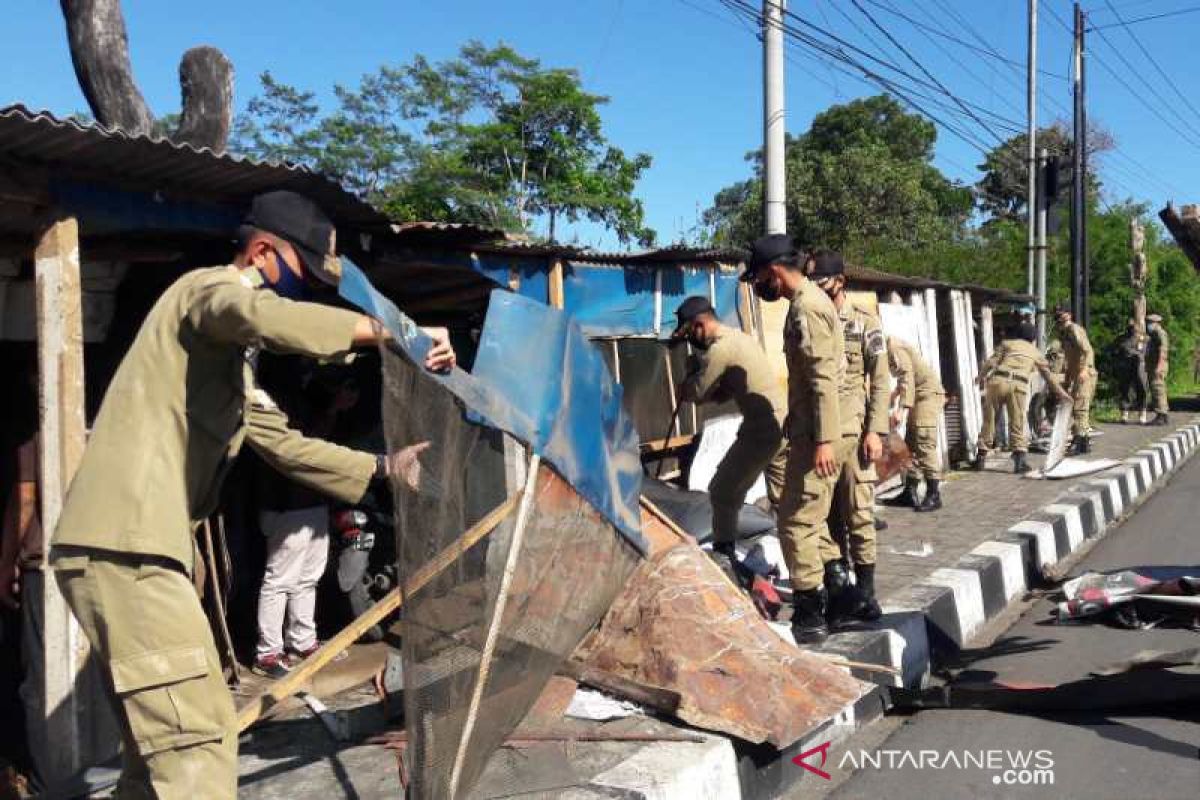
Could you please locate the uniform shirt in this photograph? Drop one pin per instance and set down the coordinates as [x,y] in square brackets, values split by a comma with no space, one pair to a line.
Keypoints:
[865,390]
[1078,349]
[182,403]
[1019,358]
[1156,347]
[816,357]
[914,378]
[735,366]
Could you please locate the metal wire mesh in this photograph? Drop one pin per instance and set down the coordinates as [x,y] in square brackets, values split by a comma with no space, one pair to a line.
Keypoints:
[482,637]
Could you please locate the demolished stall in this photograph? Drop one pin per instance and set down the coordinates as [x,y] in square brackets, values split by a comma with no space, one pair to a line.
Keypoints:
[94,224]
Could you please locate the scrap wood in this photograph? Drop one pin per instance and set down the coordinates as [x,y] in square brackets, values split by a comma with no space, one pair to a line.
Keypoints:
[398,740]
[697,649]
[289,685]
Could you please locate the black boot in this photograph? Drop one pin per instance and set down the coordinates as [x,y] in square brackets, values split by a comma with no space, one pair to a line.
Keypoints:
[839,592]
[868,607]
[906,499]
[1085,445]
[808,616]
[980,461]
[933,497]
[1020,465]
[1161,419]
[881,524]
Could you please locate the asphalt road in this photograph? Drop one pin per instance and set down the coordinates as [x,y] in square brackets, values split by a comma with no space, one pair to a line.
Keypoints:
[1150,753]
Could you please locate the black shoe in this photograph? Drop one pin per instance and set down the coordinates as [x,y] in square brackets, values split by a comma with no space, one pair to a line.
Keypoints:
[906,499]
[808,616]
[881,524]
[1020,465]
[980,461]
[933,498]
[868,607]
[842,599]
[1161,419]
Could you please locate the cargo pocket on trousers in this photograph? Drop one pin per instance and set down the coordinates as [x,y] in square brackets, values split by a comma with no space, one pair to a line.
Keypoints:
[169,702]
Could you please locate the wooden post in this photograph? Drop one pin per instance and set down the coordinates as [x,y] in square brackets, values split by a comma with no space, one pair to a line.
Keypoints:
[555,285]
[61,401]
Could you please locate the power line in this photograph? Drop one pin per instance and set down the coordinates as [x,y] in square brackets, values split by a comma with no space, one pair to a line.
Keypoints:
[1164,15]
[1162,73]
[871,18]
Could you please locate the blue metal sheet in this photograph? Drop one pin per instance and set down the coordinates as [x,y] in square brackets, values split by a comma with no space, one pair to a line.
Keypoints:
[537,377]
[610,301]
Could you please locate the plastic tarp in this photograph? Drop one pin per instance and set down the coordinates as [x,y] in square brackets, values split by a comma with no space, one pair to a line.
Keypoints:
[537,377]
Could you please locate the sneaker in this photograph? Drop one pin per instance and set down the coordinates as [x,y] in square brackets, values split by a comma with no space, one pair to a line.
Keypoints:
[271,665]
[295,657]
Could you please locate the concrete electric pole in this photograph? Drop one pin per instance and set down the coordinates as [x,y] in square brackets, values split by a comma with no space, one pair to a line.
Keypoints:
[1031,204]
[774,202]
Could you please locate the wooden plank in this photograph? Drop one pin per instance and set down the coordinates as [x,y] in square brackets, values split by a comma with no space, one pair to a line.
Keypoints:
[284,687]
[61,412]
[656,445]
[556,296]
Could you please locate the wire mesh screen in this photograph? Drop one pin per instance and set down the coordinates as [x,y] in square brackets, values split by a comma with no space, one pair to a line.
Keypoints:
[482,634]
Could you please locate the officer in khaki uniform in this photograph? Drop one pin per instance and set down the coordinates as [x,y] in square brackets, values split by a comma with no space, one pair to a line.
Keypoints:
[1157,360]
[921,399]
[815,353]
[1081,377]
[863,408]
[1006,376]
[732,366]
[177,411]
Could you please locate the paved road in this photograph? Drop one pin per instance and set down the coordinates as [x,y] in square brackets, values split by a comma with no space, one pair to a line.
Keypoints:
[1155,753]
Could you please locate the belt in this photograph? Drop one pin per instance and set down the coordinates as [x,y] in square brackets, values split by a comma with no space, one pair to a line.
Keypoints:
[1004,374]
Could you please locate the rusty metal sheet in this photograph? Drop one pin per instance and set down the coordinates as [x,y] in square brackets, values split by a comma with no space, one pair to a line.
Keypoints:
[683,632]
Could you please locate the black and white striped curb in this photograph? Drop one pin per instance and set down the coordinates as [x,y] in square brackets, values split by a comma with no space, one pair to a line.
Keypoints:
[939,614]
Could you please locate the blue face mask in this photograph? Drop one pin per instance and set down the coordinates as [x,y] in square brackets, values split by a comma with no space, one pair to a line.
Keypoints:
[289,285]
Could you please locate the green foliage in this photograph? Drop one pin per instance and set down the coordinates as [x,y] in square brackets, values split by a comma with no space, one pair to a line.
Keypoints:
[489,137]
[861,174]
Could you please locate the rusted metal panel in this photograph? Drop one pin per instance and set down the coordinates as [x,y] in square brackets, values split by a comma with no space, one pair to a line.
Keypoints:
[682,630]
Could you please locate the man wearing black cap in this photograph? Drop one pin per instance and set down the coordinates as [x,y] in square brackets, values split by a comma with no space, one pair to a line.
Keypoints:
[815,352]
[864,413]
[1081,377]
[1007,376]
[732,366]
[178,409]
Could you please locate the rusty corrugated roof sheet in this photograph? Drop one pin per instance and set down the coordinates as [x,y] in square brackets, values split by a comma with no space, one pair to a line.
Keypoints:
[77,149]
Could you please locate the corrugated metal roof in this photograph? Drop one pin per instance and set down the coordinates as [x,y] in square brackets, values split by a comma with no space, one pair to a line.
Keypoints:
[90,151]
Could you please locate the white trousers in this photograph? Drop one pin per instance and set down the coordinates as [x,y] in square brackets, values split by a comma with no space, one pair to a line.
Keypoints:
[297,550]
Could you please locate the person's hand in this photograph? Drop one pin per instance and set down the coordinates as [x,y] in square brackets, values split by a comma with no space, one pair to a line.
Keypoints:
[824,461]
[403,465]
[441,356]
[1066,398]
[10,585]
[872,447]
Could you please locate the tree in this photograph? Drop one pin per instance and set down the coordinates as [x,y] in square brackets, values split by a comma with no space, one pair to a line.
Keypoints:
[489,137]
[100,54]
[861,175]
[1004,188]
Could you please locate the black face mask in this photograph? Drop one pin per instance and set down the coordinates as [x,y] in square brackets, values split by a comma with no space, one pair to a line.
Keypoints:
[697,342]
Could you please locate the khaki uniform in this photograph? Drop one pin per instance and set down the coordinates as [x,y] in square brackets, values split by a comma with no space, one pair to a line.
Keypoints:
[1008,373]
[815,353]
[735,367]
[863,409]
[1081,375]
[176,413]
[921,392]
[1157,350]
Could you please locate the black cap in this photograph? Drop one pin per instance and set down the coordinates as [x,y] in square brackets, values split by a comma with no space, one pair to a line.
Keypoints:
[300,222]
[826,264]
[688,310]
[767,250]
[1061,309]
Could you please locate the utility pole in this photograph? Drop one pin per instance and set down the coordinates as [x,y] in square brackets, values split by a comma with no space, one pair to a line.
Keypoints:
[1043,194]
[1079,270]
[1031,153]
[774,203]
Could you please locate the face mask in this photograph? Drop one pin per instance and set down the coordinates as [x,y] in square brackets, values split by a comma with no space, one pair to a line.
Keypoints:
[697,341]
[767,292]
[289,285]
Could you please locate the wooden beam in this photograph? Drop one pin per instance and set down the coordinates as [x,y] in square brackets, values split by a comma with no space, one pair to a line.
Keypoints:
[296,679]
[656,445]
[556,296]
[61,404]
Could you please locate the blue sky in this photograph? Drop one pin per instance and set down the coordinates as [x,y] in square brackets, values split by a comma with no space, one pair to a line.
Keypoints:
[683,75]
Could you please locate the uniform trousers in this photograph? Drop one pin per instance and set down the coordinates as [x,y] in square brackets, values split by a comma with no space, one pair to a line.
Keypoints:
[1082,388]
[854,501]
[149,632]
[804,514]
[1013,396]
